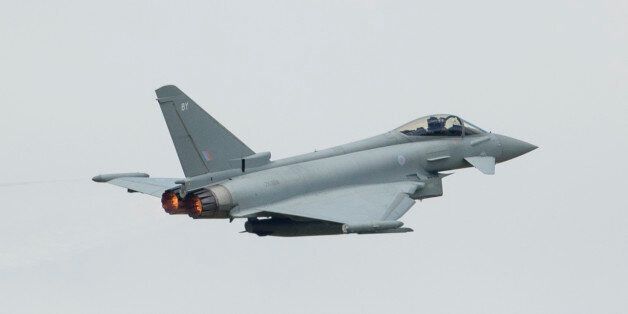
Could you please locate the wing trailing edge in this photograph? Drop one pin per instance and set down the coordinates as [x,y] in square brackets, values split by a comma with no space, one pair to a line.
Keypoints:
[139,182]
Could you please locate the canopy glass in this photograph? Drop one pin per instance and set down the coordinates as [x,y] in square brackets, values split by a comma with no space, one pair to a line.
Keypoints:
[439,125]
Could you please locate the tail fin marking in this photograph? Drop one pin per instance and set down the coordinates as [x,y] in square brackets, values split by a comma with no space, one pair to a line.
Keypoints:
[202,143]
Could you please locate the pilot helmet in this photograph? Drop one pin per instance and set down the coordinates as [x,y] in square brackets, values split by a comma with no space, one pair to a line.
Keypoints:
[434,123]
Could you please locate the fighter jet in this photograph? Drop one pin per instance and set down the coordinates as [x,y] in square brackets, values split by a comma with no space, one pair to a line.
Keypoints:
[363,187]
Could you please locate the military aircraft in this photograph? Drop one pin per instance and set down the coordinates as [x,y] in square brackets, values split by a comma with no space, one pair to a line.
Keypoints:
[362,187]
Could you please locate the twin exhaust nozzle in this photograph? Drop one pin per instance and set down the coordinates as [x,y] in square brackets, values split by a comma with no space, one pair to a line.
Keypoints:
[211,202]
[174,205]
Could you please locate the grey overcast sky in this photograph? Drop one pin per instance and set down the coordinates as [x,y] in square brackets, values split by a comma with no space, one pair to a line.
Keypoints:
[547,234]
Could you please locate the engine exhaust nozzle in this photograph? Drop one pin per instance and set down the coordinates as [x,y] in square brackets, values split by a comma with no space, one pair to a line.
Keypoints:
[193,206]
[172,204]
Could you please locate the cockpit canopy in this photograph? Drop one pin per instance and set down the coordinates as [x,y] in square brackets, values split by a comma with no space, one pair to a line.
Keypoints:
[439,125]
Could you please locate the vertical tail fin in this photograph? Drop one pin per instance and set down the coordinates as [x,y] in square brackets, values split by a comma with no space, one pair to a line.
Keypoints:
[202,143]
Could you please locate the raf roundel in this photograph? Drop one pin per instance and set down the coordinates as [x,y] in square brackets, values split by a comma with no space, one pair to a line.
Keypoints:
[401,160]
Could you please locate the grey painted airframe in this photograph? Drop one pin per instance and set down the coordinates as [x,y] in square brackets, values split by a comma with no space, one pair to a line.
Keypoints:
[361,187]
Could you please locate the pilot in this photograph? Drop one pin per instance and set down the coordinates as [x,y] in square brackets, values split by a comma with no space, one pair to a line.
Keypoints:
[456,130]
[456,127]
[435,125]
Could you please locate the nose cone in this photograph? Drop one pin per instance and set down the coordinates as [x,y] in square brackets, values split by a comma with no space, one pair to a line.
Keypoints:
[512,148]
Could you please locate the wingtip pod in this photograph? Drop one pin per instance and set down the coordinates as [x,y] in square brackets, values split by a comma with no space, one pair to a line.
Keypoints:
[102,178]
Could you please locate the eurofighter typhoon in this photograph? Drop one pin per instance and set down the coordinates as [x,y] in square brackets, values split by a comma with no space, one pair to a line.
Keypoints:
[362,187]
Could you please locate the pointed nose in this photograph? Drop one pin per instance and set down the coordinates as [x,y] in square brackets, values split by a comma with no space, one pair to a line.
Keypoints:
[512,147]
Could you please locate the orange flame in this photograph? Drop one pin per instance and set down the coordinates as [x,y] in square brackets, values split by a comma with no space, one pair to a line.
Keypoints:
[171,203]
[194,206]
